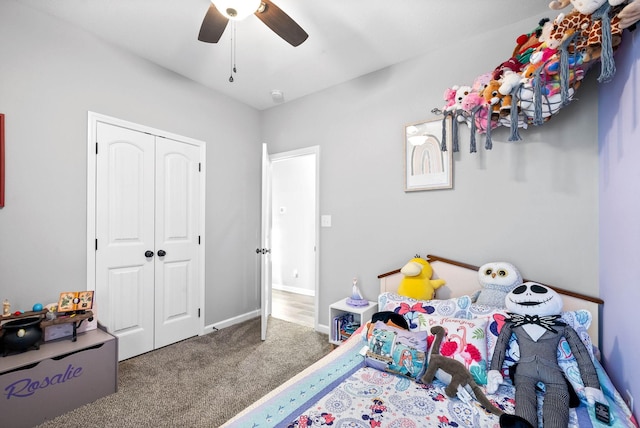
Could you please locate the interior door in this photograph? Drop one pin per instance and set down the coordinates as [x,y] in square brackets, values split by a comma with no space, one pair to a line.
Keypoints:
[125,171]
[176,241]
[265,243]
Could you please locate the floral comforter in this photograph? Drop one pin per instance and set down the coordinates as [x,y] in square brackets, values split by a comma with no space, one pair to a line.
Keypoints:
[340,391]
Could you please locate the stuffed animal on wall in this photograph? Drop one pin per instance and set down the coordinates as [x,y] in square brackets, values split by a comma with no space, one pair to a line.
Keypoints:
[449,97]
[477,110]
[511,65]
[509,81]
[493,97]
[461,94]
[497,280]
[589,37]
[527,43]
[550,102]
[417,282]
[534,311]
[630,14]
[481,82]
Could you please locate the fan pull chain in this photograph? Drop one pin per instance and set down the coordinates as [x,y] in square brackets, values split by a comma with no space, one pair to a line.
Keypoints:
[233,51]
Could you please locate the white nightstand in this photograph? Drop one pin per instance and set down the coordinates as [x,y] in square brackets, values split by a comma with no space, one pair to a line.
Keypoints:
[360,315]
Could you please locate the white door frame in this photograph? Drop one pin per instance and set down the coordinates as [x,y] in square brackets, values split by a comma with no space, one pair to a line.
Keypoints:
[312,150]
[93,119]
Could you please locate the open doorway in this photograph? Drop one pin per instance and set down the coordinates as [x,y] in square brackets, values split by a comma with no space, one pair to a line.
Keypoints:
[294,218]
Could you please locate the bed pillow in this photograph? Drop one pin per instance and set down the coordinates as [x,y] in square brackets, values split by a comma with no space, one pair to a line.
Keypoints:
[580,320]
[416,311]
[495,320]
[397,351]
[465,340]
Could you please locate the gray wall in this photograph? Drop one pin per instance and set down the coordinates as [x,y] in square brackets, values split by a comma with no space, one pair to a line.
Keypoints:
[50,76]
[532,202]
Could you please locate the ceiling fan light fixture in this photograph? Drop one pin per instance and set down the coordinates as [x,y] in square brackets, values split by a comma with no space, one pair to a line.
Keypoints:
[237,9]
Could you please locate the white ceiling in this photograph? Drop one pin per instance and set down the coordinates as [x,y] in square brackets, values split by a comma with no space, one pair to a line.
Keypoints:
[347,38]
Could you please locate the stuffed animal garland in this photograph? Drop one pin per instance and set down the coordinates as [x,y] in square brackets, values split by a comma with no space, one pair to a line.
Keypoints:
[534,311]
[521,91]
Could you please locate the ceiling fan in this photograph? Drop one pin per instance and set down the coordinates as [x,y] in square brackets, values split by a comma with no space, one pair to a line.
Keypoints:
[221,11]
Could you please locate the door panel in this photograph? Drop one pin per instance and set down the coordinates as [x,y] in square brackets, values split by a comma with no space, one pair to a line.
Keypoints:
[265,242]
[125,203]
[124,299]
[177,219]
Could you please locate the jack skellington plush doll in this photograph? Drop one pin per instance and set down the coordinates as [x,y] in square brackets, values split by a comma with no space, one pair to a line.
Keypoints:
[534,311]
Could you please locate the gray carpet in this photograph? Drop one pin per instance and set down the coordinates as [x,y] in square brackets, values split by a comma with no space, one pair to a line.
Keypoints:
[203,381]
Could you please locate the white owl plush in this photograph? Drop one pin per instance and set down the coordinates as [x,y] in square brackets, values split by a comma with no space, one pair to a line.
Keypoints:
[497,280]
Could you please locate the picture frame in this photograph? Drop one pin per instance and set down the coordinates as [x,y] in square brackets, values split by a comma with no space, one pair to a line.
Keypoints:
[426,165]
[1,160]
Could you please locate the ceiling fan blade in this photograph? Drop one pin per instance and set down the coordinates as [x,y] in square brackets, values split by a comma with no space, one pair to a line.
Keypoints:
[281,23]
[213,26]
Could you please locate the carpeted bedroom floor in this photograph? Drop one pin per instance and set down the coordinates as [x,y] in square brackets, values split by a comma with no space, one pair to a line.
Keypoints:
[202,381]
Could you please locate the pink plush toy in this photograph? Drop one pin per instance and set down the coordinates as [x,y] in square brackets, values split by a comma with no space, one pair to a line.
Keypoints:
[450,98]
[481,82]
[469,103]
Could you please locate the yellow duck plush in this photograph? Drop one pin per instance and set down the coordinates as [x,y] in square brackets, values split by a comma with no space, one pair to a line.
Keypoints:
[417,282]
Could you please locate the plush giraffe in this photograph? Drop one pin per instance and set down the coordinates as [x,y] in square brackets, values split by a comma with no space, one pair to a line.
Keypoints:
[588,38]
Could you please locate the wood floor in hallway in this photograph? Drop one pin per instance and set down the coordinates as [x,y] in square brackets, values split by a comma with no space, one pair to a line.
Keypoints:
[293,307]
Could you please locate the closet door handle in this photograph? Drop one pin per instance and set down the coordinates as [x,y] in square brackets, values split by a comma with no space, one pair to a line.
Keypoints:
[162,253]
[148,253]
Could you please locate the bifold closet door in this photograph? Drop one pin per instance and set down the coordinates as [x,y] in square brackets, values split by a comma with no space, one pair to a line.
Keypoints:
[176,238]
[147,258]
[125,233]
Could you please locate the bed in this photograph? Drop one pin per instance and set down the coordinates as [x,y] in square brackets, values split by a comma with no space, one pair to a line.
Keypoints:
[347,389]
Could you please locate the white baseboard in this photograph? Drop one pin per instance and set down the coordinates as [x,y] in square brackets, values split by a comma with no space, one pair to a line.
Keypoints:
[231,321]
[296,290]
[321,328]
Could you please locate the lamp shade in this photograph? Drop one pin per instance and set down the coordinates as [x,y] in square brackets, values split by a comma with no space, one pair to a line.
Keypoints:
[236,9]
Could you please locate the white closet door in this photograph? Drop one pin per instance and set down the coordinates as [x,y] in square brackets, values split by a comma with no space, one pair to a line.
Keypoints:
[176,237]
[125,173]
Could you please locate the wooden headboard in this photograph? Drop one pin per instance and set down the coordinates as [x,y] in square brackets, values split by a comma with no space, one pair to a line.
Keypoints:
[462,279]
